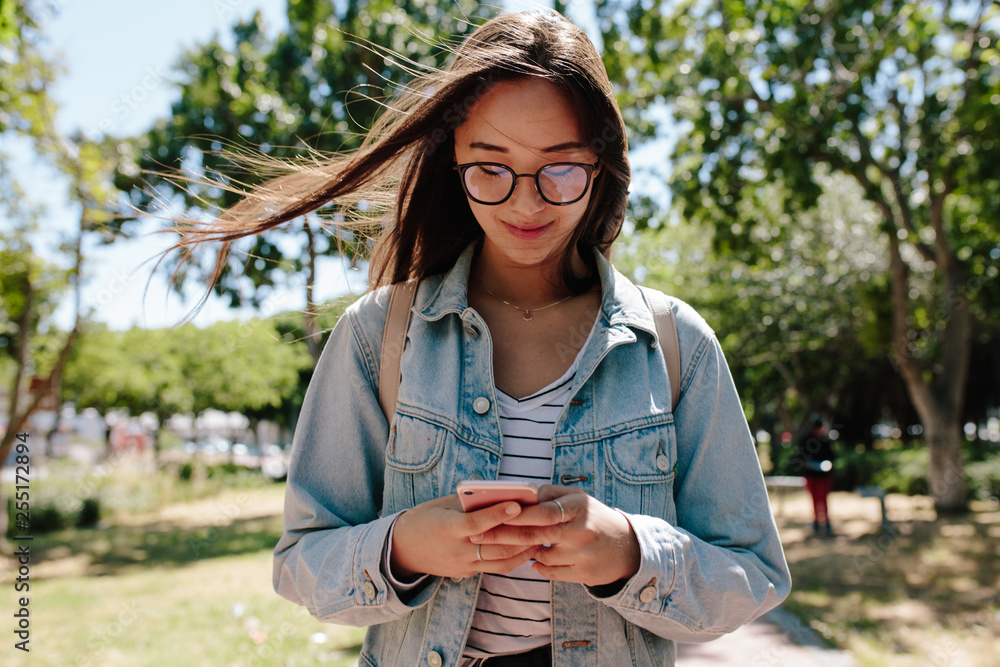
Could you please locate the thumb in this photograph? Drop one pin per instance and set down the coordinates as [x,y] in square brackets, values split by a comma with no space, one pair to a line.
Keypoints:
[486,518]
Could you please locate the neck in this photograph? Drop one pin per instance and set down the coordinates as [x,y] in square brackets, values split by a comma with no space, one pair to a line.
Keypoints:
[526,285]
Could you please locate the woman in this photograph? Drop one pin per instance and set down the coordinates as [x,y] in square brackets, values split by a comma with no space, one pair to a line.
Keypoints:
[528,356]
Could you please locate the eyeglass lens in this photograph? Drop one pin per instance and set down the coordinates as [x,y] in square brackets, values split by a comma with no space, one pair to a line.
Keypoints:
[558,183]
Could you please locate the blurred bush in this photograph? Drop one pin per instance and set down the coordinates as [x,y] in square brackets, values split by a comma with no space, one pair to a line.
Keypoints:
[984,478]
[76,497]
[48,515]
[901,468]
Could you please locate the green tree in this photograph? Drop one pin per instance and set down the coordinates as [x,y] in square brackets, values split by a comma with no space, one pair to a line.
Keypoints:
[230,366]
[788,320]
[315,88]
[900,96]
[27,111]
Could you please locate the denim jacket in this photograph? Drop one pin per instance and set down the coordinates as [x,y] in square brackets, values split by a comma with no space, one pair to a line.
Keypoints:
[688,480]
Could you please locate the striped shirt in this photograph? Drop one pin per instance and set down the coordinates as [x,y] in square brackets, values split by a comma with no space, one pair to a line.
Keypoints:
[513,611]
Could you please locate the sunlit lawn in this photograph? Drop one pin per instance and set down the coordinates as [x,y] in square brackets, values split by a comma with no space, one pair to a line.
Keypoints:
[191,584]
[925,593]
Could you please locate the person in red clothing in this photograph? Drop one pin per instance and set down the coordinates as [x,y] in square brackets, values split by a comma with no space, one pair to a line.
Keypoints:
[816,465]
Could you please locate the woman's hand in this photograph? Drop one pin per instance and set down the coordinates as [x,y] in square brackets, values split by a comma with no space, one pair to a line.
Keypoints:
[590,543]
[433,538]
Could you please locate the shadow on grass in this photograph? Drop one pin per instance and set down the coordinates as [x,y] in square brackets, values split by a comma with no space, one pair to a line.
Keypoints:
[922,573]
[115,549]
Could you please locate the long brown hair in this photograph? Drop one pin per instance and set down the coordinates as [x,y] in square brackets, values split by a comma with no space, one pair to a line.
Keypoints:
[404,168]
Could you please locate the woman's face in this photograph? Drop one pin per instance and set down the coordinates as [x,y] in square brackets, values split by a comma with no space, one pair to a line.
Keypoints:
[525,125]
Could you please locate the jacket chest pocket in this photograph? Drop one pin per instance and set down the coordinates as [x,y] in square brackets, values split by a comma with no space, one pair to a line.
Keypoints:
[412,456]
[639,468]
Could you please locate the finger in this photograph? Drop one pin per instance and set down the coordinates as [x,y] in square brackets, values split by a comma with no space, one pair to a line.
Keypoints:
[517,535]
[547,513]
[547,492]
[501,552]
[554,573]
[480,521]
[553,556]
[506,565]
[555,563]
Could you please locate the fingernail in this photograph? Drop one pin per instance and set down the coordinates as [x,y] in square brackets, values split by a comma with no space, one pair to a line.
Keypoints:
[476,538]
[512,510]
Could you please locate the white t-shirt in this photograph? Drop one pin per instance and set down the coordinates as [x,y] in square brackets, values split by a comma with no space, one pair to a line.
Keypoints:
[513,611]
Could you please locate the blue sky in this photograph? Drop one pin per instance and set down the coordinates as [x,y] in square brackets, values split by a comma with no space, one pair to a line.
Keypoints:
[118,57]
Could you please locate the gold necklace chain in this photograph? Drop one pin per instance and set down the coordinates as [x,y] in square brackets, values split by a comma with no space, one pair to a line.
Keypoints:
[527,316]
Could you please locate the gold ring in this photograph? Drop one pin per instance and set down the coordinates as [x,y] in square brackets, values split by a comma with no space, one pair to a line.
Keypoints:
[479,556]
[562,510]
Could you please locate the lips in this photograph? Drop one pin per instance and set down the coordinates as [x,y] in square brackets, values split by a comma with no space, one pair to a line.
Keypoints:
[527,232]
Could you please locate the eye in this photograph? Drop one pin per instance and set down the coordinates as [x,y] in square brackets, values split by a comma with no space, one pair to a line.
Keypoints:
[560,170]
[491,171]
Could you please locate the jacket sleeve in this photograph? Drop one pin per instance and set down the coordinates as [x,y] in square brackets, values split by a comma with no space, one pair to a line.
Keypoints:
[721,565]
[329,558]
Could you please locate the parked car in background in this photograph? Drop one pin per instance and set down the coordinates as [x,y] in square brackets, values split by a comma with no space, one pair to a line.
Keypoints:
[274,462]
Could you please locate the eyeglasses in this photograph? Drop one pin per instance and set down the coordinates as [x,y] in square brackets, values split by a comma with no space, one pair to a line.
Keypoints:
[558,184]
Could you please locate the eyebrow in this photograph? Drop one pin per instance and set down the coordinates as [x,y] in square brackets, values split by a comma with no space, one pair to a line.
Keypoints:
[558,148]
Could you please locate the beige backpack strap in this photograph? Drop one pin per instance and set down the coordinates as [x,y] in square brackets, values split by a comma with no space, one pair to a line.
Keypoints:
[666,331]
[393,341]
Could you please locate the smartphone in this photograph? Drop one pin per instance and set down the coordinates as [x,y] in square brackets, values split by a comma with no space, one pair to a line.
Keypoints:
[476,494]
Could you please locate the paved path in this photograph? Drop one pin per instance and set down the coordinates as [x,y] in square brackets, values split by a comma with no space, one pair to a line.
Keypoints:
[778,639]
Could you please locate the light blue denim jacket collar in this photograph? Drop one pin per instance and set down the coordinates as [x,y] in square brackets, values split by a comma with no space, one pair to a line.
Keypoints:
[621,303]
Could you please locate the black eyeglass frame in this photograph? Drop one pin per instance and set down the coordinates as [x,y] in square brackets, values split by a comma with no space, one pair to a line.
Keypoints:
[587,167]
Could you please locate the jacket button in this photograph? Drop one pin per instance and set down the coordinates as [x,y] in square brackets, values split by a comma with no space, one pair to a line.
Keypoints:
[481,406]
[475,475]
[370,590]
[647,595]
[472,331]
[434,659]
[456,579]
[662,463]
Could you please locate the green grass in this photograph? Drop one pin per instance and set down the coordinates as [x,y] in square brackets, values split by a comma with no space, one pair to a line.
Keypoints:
[926,593]
[189,582]
[219,611]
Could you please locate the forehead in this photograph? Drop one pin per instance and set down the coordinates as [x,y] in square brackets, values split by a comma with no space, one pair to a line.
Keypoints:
[529,114]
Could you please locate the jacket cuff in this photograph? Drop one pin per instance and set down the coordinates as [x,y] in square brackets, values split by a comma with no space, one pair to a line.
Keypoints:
[372,588]
[648,590]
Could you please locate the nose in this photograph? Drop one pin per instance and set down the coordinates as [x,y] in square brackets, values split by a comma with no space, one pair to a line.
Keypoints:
[526,198]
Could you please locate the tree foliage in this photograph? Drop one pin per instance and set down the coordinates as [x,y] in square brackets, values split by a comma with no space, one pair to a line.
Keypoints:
[314,89]
[27,111]
[229,366]
[900,96]
[815,298]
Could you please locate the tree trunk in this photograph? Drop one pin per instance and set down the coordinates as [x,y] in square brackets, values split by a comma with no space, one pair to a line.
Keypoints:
[938,404]
[943,436]
[311,315]
[17,422]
